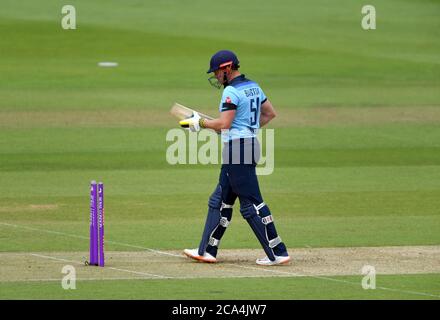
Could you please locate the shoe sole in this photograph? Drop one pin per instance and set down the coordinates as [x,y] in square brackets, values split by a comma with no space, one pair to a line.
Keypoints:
[199,258]
[275,264]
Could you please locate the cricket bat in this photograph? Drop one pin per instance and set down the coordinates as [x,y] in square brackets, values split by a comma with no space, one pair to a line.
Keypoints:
[181,112]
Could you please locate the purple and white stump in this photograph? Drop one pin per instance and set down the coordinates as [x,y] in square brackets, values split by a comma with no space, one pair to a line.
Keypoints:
[101,222]
[93,224]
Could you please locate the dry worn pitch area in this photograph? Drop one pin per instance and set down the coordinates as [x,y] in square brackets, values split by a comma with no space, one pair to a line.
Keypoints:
[154,264]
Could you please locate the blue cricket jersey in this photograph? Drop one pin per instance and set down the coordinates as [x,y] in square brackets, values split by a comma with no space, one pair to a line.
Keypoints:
[246,97]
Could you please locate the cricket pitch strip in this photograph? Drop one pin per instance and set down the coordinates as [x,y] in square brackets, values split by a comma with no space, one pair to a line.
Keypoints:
[237,263]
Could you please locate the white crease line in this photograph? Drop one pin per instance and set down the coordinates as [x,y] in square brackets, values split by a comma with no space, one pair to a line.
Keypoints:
[86,238]
[42,230]
[56,259]
[150,274]
[144,248]
[331,279]
[113,268]
[266,270]
[141,273]
[145,278]
[235,265]
[410,292]
[83,279]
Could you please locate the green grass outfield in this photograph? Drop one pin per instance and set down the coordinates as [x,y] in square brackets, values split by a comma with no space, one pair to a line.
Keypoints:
[357,153]
[404,287]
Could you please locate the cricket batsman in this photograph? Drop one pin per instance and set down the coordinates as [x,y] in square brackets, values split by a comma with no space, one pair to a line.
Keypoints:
[244,108]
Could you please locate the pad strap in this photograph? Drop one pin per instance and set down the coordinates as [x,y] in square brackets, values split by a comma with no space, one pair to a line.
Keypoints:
[226,206]
[213,242]
[224,222]
[267,220]
[274,242]
[258,208]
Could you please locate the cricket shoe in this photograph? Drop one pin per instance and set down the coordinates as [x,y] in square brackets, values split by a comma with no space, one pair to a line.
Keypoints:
[278,260]
[194,254]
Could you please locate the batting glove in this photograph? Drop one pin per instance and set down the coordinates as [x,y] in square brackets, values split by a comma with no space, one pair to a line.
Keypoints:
[192,123]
